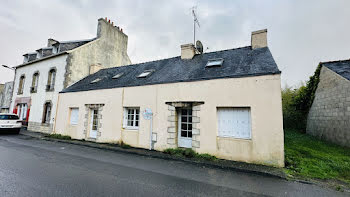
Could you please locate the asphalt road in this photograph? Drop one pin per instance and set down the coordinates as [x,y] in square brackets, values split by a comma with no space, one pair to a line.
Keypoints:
[32,167]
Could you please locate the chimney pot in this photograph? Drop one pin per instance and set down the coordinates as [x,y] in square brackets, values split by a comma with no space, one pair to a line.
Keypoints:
[259,39]
[188,51]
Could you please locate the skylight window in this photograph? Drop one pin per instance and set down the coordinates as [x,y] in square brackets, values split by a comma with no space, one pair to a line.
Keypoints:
[96,80]
[145,73]
[215,62]
[117,76]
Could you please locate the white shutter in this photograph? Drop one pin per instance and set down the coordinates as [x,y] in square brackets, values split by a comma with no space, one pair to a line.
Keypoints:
[74,116]
[234,122]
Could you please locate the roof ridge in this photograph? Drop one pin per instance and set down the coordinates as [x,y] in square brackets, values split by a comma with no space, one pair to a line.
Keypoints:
[334,61]
[172,58]
[69,41]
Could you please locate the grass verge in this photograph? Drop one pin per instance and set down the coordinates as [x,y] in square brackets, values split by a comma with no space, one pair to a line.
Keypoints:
[189,153]
[59,136]
[309,157]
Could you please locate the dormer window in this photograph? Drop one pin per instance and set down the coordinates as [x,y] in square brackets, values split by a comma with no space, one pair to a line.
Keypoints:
[95,80]
[117,76]
[215,62]
[56,48]
[145,73]
[25,60]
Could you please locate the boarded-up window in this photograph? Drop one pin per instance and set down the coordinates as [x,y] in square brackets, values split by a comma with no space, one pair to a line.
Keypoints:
[234,122]
[74,116]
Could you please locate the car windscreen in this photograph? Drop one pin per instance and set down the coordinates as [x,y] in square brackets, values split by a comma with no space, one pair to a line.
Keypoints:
[8,117]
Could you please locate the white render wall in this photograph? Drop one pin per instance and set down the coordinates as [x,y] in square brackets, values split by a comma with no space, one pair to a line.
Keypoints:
[39,98]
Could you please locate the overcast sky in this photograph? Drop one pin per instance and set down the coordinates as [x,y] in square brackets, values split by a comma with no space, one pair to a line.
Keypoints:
[300,33]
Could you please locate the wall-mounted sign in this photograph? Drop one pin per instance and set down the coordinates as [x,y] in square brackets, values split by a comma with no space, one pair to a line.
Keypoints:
[147,114]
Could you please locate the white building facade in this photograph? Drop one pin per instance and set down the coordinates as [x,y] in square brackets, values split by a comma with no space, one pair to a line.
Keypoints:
[51,69]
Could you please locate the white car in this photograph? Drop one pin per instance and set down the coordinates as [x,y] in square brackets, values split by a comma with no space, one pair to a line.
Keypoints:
[10,122]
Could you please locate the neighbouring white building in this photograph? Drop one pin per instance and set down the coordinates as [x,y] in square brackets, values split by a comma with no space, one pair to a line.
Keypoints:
[49,70]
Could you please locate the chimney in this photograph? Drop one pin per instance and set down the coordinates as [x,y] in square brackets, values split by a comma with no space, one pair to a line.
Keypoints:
[187,51]
[95,68]
[259,39]
[51,42]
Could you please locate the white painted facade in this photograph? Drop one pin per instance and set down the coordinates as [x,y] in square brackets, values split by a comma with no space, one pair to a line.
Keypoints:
[38,99]
[76,60]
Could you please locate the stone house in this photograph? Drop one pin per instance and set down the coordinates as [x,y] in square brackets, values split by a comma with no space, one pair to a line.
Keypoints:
[5,97]
[225,103]
[50,69]
[329,115]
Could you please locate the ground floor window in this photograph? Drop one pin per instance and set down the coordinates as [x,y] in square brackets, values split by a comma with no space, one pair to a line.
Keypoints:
[74,116]
[234,122]
[47,113]
[131,117]
[22,111]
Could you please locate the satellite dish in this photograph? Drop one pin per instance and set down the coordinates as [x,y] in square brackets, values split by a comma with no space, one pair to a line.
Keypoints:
[199,46]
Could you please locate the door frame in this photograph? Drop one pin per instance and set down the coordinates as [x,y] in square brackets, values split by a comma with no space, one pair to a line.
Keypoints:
[92,124]
[185,142]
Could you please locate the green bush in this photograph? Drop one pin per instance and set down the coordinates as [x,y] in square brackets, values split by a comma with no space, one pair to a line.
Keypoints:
[188,153]
[59,136]
[296,103]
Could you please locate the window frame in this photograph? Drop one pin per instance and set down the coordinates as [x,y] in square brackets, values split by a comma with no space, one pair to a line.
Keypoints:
[216,62]
[71,109]
[51,79]
[21,82]
[134,120]
[145,73]
[47,116]
[35,82]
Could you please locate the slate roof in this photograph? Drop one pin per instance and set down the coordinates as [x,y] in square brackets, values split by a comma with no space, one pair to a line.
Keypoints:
[240,62]
[47,52]
[342,67]
[69,45]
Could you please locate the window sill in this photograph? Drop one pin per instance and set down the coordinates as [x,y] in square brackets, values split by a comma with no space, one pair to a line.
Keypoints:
[131,128]
[234,138]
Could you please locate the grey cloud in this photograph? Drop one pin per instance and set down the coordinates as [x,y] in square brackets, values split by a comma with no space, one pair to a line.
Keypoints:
[301,33]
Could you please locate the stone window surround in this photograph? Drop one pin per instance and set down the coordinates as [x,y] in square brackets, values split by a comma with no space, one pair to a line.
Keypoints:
[172,122]
[99,108]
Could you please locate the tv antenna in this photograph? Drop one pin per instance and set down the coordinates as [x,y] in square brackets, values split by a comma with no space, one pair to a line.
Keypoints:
[195,21]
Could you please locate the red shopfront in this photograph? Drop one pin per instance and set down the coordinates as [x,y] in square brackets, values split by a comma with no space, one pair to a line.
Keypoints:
[22,108]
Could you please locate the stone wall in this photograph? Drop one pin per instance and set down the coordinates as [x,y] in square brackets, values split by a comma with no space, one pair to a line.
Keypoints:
[329,116]
[173,123]
[108,50]
[40,127]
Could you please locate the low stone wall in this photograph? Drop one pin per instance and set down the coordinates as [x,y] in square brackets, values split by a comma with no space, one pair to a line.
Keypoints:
[40,127]
[329,116]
